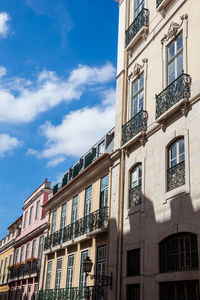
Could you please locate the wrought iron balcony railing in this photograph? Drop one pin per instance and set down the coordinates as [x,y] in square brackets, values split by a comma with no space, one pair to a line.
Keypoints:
[176,176]
[135,196]
[89,223]
[137,124]
[158,2]
[23,270]
[74,293]
[140,21]
[177,90]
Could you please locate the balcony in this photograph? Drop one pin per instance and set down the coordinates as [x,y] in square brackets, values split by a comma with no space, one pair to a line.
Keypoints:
[135,196]
[136,125]
[178,90]
[139,25]
[176,176]
[22,270]
[93,221]
[74,293]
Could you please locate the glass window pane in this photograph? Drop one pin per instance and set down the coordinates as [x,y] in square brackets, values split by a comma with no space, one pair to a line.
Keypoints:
[171,51]
[174,151]
[141,100]
[181,147]
[135,87]
[142,81]
[171,72]
[179,43]
[180,64]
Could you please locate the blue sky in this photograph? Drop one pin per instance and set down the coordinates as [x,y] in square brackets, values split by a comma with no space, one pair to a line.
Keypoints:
[57,90]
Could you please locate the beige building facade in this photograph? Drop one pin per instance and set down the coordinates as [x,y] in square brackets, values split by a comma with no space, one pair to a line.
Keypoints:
[155,196]
[7,257]
[78,214]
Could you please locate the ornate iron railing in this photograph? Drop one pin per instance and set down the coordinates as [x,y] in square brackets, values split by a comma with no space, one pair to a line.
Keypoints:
[140,21]
[137,124]
[95,220]
[135,196]
[177,90]
[23,270]
[176,176]
[158,2]
[73,293]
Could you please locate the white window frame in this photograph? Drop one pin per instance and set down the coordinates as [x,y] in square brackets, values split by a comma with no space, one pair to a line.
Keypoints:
[165,44]
[70,271]
[48,275]
[176,142]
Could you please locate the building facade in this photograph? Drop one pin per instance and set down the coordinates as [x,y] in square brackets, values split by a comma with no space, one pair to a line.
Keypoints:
[78,213]
[155,212]
[7,256]
[23,277]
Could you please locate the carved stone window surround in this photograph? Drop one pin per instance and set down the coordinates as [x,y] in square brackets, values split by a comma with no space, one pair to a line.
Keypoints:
[184,189]
[140,159]
[162,8]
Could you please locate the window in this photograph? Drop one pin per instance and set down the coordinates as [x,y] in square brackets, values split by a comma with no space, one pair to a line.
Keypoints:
[138,95]
[63,216]
[17,256]
[104,191]
[48,277]
[179,290]
[58,273]
[4,269]
[70,271]
[21,254]
[88,201]
[36,288]
[133,262]
[136,176]
[175,59]
[133,292]
[27,251]
[10,259]
[179,252]
[135,192]
[83,277]
[176,153]
[29,292]
[30,215]
[25,220]
[74,214]
[101,148]
[101,261]
[1,267]
[139,5]
[22,292]
[37,210]
[176,165]
[33,248]
[53,225]
[41,247]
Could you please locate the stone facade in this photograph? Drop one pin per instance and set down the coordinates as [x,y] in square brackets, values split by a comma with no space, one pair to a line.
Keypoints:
[155,197]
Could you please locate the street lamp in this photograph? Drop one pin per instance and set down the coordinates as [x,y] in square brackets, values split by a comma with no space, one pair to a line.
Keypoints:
[101,280]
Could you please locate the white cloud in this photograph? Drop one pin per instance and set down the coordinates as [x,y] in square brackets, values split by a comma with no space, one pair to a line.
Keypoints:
[22,100]
[78,131]
[7,143]
[4,24]
[3,71]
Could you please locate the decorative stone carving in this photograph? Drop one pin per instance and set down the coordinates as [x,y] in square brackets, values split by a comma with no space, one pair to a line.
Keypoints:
[137,69]
[173,29]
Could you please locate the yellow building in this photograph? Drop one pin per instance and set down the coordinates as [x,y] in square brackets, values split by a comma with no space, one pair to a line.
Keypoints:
[78,226]
[7,256]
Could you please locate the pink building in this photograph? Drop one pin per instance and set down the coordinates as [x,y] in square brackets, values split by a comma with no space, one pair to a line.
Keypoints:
[24,273]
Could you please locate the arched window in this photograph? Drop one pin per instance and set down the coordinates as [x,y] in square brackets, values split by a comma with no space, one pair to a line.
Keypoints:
[176,165]
[135,192]
[179,252]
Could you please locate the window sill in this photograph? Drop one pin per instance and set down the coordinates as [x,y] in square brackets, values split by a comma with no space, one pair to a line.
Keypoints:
[142,34]
[183,189]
